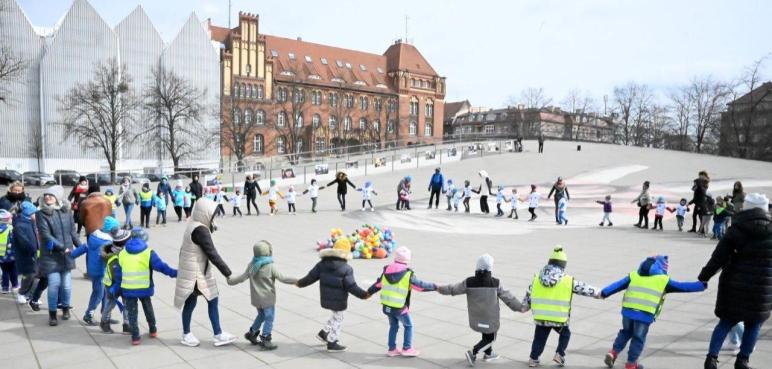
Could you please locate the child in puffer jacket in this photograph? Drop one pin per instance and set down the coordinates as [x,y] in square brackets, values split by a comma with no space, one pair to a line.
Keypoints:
[7,259]
[483,293]
[336,282]
[549,297]
[159,202]
[110,256]
[450,193]
[262,275]
[395,283]
[642,304]
[95,265]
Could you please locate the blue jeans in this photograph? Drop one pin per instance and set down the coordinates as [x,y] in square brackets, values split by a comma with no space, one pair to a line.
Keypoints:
[737,334]
[540,335]
[718,229]
[264,318]
[395,317]
[750,336]
[635,332]
[127,208]
[59,284]
[187,314]
[97,294]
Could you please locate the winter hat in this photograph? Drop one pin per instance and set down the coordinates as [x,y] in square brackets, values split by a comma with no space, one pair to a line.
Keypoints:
[55,191]
[5,216]
[409,179]
[109,191]
[178,184]
[661,200]
[368,184]
[450,181]
[27,209]
[139,232]
[558,257]
[485,262]
[344,246]
[402,255]
[120,235]
[756,200]
[483,174]
[110,224]
[273,182]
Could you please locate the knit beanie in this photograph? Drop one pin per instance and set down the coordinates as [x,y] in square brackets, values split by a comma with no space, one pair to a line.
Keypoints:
[139,232]
[120,235]
[110,224]
[27,209]
[558,257]
[485,262]
[402,255]
[343,245]
[756,200]
[5,216]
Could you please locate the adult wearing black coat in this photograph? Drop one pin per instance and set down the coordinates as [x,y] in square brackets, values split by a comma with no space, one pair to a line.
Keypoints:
[11,201]
[744,256]
[700,192]
[252,189]
[196,189]
[341,179]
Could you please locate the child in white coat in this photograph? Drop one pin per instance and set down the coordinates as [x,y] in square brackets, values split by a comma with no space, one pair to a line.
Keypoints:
[533,202]
[367,193]
[515,202]
[313,193]
[291,198]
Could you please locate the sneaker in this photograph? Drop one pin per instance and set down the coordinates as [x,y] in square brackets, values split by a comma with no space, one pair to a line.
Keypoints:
[633,366]
[136,341]
[470,358]
[106,328]
[153,333]
[741,363]
[410,352]
[5,291]
[34,305]
[65,313]
[372,210]
[488,358]
[21,299]
[190,340]
[335,347]
[611,224]
[711,362]
[89,319]
[533,363]
[363,209]
[322,336]
[223,339]
[559,359]
[393,353]
[601,224]
[610,359]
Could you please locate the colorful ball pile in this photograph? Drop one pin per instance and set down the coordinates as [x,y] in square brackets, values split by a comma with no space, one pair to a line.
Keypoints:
[367,242]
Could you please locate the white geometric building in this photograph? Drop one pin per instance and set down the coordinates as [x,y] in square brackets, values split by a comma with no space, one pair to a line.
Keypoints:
[67,54]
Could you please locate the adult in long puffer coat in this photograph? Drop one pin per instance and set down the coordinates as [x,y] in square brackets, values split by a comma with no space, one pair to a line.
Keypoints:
[744,256]
[194,274]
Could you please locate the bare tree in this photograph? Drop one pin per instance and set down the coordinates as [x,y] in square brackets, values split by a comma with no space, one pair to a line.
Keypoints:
[238,127]
[742,113]
[658,124]
[709,98]
[631,104]
[12,67]
[579,104]
[179,111]
[99,113]
[682,111]
[532,97]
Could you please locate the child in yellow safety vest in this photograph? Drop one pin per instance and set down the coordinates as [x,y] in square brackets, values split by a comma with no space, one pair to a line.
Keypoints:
[113,198]
[644,296]
[136,263]
[395,283]
[549,298]
[7,259]
[112,290]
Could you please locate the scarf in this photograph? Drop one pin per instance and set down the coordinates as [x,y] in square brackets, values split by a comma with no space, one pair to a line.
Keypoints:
[259,261]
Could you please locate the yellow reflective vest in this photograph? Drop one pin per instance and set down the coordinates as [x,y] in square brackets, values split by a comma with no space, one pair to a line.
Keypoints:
[107,279]
[646,293]
[395,294]
[552,304]
[112,199]
[4,237]
[135,269]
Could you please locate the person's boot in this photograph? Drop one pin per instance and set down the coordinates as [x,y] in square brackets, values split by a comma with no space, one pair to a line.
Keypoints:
[741,363]
[106,328]
[88,318]
[34,305]
[52,318]
[266,344]
[252,337]
[711,362]
[335,347]
[65,313]
[126,329]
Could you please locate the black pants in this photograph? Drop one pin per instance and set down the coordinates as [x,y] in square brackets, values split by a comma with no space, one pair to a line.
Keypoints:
[342,200]
[657,222]
[367,202]
[291,207]
[178,211]
[399,202]
[557,216]
[499,212]
[76,219]
[144,216]
[237,210]
[643,216]
[251,201]
[541,147]
[160,215]
[220,210]
[466,204]
[533,213]
[696,215]
[192,202]
[485,344]
[187,211]
[133,311]
[513,212]
[484,204]
[540,336]
[313,204]
[435,195]
[403,204]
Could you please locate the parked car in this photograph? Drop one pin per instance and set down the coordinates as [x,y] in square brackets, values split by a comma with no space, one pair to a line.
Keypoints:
[66,177]
[38,179]
[100,178]
[8,176]
[179,176]
[140,178]
[152,177]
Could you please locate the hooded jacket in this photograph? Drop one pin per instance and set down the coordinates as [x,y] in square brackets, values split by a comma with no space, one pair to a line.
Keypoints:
[252,188]
[11,202]
[336,280]
[744,257]
[342,180]
[262,278]
[164,187]
[25,244]
[57,234]
[196,189]
[196,252]
[560,190]
[483,293]
[649,267]
[437,182]
[549,276]
[95,266]
[135,246]
[127,194]
[394,272]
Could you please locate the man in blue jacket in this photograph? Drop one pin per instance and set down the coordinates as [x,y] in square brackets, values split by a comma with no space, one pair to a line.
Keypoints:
[95,266]
[436,187]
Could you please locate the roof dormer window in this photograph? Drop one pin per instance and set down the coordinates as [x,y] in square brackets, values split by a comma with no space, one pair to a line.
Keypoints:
[308,59]
[291,56]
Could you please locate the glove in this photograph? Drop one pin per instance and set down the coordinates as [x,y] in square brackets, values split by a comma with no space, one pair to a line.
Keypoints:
[705,284]
[598,295]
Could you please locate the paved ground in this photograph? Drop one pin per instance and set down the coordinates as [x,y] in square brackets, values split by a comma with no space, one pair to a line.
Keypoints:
[445,247]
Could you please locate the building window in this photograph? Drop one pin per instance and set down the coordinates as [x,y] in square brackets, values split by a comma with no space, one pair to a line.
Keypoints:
[339,63]
[429,109]
[333,99]
[364,103]
[321,144]
[349,101]
[316,98]
[281,145]
[260,92]
[281,96]
[332,122]
[377,125]
[379,70]
[236,116]
[247,116]
[253,90]
[274,53]
[489,129]
[257,144]
[291,56]
[362,124]
[298,96]
[390,126]
[362,67]
[281,119]
[413,128]
[414,107]
[260,117]
[424,84]
[392,106]
[316,120]
[308,59]
[412,82]
[347,124]
[324,61]
[299,120]
[377,104]
[427,129]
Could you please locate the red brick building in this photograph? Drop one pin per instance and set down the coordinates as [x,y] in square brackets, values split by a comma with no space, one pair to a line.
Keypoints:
[282,95]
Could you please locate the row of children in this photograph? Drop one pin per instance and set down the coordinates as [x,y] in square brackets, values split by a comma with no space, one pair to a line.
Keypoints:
[182,201]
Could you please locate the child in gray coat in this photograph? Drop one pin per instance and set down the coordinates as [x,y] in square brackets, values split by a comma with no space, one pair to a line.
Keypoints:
[262,275]
[483,293]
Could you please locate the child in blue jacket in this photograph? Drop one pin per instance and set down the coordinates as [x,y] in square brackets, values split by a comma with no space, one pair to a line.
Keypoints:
[139,258]
[642,303]
[95,266]
[159,201]
[178,196]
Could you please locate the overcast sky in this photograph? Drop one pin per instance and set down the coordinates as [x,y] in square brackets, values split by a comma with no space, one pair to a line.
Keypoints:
[490,50]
